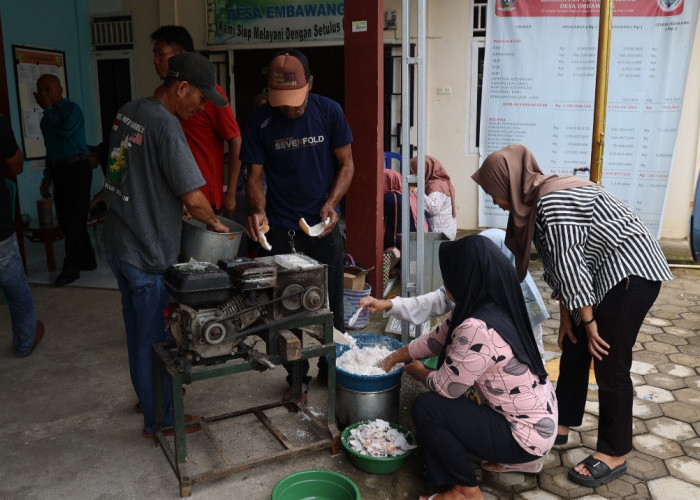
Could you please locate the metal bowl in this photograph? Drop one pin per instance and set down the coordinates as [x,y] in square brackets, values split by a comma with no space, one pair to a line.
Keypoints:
[199,243]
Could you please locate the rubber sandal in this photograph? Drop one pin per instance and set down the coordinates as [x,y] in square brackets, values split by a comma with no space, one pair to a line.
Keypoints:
[534,467]
[601,473]
[561,439]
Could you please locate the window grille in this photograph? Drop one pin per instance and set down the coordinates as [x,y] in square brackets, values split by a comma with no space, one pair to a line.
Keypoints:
[111,33]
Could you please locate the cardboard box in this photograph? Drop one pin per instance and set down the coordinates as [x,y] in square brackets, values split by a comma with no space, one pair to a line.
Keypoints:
[354,277]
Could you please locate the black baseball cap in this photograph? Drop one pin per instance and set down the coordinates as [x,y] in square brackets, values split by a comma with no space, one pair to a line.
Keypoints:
[197,70]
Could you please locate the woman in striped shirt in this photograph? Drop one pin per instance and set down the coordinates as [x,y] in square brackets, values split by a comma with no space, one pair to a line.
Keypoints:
[605,269]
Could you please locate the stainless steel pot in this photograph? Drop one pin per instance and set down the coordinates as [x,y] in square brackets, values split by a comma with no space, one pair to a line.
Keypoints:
[208,246]
[353,406]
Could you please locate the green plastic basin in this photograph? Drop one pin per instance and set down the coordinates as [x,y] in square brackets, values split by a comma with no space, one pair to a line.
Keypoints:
[315,484]
[376,465]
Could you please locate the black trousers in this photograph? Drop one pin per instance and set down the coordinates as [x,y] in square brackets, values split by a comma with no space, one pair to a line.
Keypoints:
[451,430]
[619,317]
[71,191]
[328,250]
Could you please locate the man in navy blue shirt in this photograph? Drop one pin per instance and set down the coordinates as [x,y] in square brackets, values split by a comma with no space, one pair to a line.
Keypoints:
[302,143]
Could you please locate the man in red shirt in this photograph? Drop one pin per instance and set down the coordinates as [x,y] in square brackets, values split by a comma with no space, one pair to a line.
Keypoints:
[207,130]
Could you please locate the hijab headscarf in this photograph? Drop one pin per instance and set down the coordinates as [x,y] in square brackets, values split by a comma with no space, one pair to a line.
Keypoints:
[392,184]
[512,174]
[484,285]
[436,179]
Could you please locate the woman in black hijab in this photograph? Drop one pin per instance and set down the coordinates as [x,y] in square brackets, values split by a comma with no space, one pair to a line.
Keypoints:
[487,343]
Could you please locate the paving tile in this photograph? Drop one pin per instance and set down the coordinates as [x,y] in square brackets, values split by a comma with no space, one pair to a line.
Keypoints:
[693,382]
[692,316]
[639,426]
[685,468]
[685,323]
[689,360]
[680,332]
[660,347]
[676,370]
[666,381]
[648,329]
[643,368]
[671,339]
[653,358]
[681,411]
[643,338]
[656,394]
[511,481]
[670,312]
[672,488]
[670,428]
[690,349]
[656,446]
[592,408]
[688,396]
[624,487]
[645,467]
[556,481]
[536,495]
[645,409]
[691,447]
[657,321]
[637,379]
[589,439]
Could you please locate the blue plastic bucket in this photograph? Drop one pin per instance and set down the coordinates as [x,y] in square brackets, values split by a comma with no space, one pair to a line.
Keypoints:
[368,383]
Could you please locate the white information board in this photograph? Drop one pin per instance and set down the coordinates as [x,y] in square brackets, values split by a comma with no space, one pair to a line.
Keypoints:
[539,88]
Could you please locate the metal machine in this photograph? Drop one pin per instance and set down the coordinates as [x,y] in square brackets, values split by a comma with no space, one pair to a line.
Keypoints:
[215,309]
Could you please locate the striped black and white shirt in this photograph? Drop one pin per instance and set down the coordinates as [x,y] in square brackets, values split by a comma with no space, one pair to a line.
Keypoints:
[589,241]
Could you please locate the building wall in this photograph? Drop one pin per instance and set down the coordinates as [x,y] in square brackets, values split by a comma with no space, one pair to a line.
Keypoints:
[448,61]
[54,25]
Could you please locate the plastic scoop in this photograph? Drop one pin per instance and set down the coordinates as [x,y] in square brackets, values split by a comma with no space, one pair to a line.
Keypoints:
[353,318]
[315,230]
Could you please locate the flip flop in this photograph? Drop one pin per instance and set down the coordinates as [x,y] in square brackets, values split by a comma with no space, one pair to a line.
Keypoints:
[601,473]
[534,467]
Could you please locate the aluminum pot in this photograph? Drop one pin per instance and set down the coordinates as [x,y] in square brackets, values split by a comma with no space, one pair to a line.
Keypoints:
[353,406]
[208,246]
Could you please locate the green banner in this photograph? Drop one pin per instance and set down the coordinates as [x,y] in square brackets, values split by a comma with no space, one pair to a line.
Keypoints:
[273,21]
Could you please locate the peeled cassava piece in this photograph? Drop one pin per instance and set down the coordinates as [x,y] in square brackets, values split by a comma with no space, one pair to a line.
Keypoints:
[262,239]
[313,230]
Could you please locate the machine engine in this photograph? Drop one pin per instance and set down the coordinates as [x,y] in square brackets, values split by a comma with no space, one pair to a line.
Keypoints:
[215,307]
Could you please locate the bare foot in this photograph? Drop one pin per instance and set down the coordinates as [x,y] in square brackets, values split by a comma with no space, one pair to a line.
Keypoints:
[457,492]
[609,460]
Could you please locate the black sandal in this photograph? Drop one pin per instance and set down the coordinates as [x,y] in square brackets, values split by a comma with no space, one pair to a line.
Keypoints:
[600,473]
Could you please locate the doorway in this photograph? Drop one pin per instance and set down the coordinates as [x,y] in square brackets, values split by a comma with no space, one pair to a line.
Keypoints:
[114,80]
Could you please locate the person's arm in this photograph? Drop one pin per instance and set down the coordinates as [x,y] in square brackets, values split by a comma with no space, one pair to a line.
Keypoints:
[14,165]
[198,206]
[256,201]
[433,202]
[340,186]
[234,171]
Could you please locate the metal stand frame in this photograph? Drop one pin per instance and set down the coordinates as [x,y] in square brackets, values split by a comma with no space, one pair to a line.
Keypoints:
[167,360]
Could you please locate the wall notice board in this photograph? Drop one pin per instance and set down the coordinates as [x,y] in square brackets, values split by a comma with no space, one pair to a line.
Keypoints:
[30,64]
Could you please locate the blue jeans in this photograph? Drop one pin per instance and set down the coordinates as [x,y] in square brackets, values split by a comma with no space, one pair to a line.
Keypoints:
[144,298]
[14,284]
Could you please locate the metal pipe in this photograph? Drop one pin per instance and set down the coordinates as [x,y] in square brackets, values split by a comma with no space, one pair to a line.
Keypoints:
[601,90]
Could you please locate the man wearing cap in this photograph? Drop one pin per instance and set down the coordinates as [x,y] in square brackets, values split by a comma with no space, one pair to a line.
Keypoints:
[151,174]
[302,142]
[207,130]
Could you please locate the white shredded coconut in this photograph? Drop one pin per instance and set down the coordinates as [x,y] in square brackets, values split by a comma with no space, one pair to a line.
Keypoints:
[378,439]
[365,360]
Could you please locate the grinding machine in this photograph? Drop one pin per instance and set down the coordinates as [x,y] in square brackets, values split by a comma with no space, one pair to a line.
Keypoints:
[217,317]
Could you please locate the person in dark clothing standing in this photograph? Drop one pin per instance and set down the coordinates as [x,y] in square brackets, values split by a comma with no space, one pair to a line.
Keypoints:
[68,168]
[27,331]
[302,141]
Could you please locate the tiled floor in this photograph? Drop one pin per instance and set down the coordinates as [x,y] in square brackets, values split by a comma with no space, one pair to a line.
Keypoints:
[38,272]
